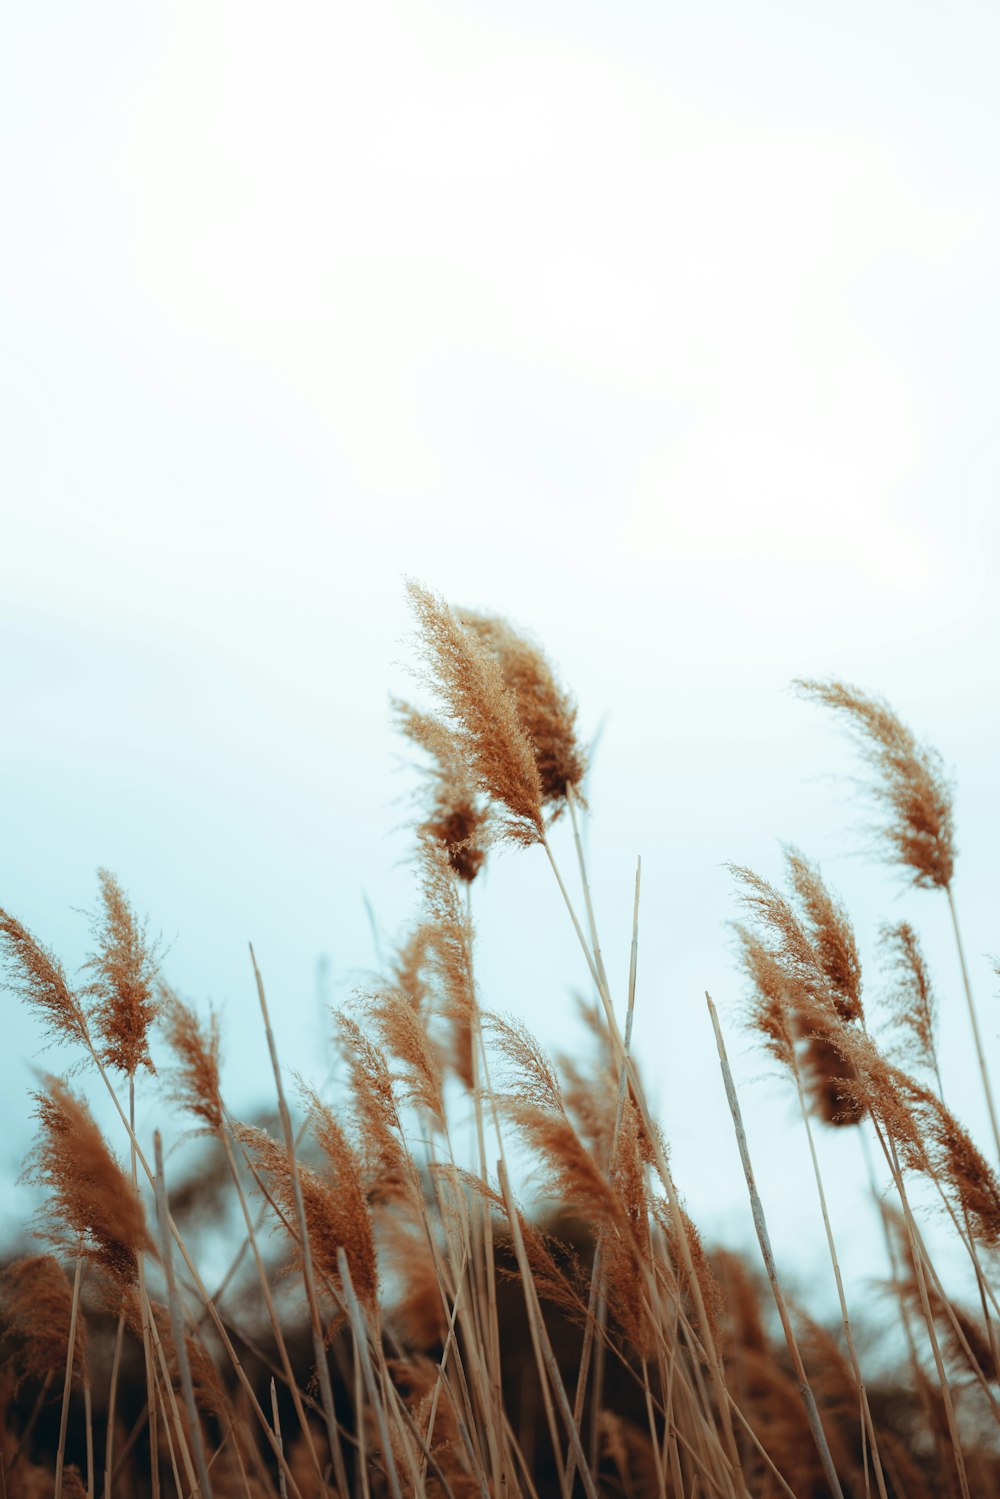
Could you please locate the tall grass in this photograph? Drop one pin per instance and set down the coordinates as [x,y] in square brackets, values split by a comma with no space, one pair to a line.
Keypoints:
[394,1321]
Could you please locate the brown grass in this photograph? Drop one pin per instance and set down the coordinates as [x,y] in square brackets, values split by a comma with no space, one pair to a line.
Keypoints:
[397,1322]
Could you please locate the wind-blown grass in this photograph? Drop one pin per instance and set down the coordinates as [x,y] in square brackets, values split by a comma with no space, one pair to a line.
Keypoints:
[395,1321]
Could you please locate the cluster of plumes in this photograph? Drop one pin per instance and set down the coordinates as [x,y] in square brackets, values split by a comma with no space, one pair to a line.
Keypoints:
[457,815]
[209,1389]
[933,1142]
[193,1081]
[763,1384]
[911,1004]
[546,711]
[337,1210]
[964,1340]
[36,1308]
[124,964]
[433,971]
[25,1479]
[427,1395]
[607,1191]
[508,731]
[37,977]
[112,1015]
[805,1001]
[909,783]
[92,1208]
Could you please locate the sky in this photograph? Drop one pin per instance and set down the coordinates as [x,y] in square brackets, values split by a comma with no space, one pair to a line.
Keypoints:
[670,332]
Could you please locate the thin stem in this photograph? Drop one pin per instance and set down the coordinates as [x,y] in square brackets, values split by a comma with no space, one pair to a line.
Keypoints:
[360,1330]
[272,1312]
[866,1415]
[177,1321]
[154,1466]
[889,1150]
[276,1422]
[68,1383]
[319,1348]
[760,1224]
[974,1019]
[596,1309]
[666,1176]
[540,1335]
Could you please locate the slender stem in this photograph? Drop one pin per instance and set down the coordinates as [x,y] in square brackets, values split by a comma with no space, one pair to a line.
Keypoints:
[275,1320]
[974,1019]
[68,1383]
[585,882]
[540,1335]
[24,1436]
[276,1421]
[319,1348]
[866,1415]
[760,1224]
[889,1150]
[595,1300]
[177,1321]
[666,1176]
[360,1330]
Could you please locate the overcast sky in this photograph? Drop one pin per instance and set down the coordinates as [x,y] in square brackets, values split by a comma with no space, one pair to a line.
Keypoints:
[670,331]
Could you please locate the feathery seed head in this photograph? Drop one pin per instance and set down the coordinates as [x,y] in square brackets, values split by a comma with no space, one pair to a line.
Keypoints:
[546,711]
[910,782]
[37,1308]
[457,820]
[913,1003]
[93,1208]
[193,1083]
[482,714]
[125,967]
[37,976]
[829,927]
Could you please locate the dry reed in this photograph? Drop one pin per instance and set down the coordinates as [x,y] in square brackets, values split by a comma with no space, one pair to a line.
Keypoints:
[413,1331]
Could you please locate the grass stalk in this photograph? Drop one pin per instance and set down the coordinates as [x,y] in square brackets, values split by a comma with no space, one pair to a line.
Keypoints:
[319,1346]
[764,1238]
[177,1322]
[866,1415]
[973,1019]
[68,1381]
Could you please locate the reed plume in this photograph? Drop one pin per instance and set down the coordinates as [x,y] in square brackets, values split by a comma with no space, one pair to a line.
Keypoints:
[481,711]
[909,783]
[805,983]
[37,1306]
[193,1082]
[457,820]
[336,1210]
[36,976]
[546,710]
[93,1209]
[123,990]
[912,1003]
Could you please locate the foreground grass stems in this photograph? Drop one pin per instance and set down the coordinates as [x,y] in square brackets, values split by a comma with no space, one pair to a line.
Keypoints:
[973,1019]
[441,1286]
[67,1386]
[680,1229]
[910,784]
[319,1345]
[595,1303]
[144,1313]
[867,1423]
[540,1336]
[177,1321]
[760,1224]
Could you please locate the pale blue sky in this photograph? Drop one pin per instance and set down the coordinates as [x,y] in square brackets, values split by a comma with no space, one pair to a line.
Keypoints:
[670,331]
